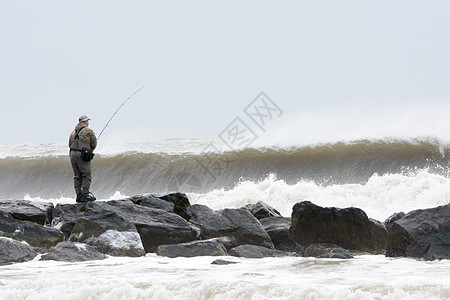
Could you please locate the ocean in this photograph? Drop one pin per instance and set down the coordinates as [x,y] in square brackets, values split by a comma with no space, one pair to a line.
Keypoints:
[380,176]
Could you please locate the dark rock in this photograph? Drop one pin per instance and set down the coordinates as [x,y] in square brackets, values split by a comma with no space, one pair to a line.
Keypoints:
[34,234]
[349,228]
[253,251]
[23,210]
[278,230]
[181,203]
[423,233]
[73,252]
[390,221]
[15,251]
[65,215]
[212,247]
[155,226]
[239,224]
[222,262]
[326,251]
[153,202]
[109,234]
[261,210]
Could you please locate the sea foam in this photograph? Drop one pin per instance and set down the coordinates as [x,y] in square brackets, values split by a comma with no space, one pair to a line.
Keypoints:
[380,197]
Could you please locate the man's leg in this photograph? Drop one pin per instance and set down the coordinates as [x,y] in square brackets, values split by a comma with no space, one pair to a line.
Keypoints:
[77,179]
[85,168]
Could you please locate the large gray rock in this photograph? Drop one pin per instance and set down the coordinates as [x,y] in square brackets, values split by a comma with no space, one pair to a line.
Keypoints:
[349,228]
[24,210]
[423,233]
[109,234]
[278,230]
[239,224]
[73,252]
[155,226]
[212,247]
[34,234]
[327,251]
[65,215]
[153,202]
[261,210]
[253,251]
[15,251]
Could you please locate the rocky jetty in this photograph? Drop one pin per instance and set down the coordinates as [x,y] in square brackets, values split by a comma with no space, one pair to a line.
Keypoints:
[169,226]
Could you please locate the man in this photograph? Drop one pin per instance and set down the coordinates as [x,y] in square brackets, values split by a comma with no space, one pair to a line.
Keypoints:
[82,137]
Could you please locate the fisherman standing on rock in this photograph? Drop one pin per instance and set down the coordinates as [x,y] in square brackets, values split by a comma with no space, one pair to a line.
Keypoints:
[82,142]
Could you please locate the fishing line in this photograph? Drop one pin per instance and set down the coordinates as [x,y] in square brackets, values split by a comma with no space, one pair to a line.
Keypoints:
[119,109]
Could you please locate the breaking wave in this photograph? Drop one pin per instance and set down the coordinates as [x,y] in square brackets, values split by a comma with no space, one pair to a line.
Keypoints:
[136,172]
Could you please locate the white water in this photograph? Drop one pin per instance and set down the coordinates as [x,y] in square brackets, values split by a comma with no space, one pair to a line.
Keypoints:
[152,277]
[380,197]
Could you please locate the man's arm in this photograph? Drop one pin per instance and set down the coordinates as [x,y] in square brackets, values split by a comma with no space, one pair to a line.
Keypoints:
[71,137]
[93,143]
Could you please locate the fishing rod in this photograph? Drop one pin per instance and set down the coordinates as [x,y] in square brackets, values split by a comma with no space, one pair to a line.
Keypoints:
[119,109]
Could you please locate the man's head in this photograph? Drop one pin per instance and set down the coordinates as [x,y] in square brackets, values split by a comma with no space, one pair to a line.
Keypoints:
[84,119]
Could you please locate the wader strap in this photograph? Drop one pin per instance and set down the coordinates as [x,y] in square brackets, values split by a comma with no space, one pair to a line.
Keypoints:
[77,132]
[77,138]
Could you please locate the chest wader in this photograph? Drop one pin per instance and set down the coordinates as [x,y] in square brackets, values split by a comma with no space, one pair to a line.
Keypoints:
[82,171]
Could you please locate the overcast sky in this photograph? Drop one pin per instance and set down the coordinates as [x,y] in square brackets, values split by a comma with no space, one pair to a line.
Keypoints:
[356,66]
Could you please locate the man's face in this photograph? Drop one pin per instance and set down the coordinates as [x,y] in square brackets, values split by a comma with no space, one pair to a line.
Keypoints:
[86,123]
